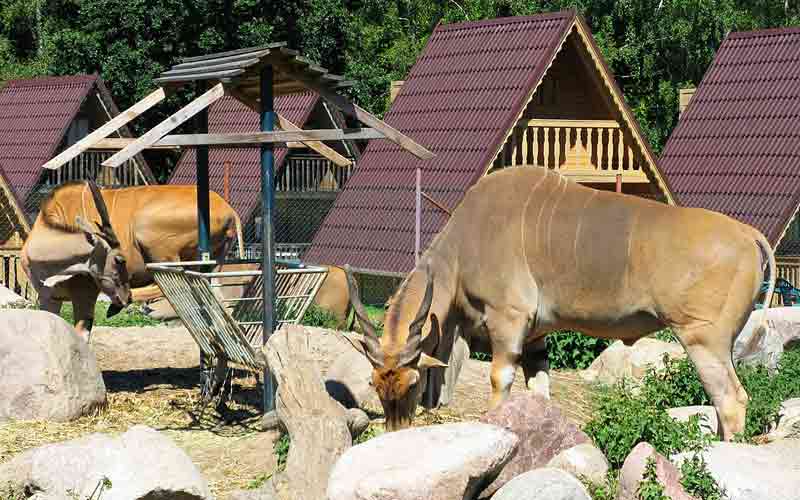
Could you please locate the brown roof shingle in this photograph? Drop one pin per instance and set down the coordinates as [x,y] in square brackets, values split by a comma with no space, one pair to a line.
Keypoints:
[462,96]
[230,116]
[34,116]
[735,148]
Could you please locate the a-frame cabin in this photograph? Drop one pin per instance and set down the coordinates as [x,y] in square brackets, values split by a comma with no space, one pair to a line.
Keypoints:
[529,92]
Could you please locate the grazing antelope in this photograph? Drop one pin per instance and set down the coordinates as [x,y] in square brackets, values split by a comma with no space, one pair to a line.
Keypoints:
[144,224]
[528,251]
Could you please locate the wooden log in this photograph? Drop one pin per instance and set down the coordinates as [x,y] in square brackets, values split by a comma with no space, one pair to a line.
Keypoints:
[316,423]
[106,129]
[154,134]
[255,138]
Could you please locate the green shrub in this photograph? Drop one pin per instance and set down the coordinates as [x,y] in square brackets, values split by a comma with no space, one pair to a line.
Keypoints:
[604,491]
[698,481]
[573,350]
[767,392]
[678,384]
[666,335]
[281,450]
[624,418]
[130,316]
[320,317]
[649,487]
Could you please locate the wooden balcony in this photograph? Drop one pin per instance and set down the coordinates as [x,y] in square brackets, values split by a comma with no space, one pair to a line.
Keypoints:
[311,174]
[587,151]
[87,165]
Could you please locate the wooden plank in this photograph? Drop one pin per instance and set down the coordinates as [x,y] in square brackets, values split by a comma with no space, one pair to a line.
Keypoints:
[107,129]
[254,138]
[121,143]
[207,68]
[153,135]
[213,75]
[361,115]
[548,122]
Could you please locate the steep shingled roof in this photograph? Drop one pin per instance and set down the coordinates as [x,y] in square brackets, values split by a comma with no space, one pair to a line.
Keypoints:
[735,149]
[34,116]
[460,100]
[230,116]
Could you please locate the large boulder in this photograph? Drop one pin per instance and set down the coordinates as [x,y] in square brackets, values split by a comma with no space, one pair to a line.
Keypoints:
[543,484]
[754,347]
[633,469]
[543,431]
[788,423]
[750,472]
[141,464]
[619,361]
[709,423]
[440,462]
[48,371]
[348,381]
[11,299]
[582,461]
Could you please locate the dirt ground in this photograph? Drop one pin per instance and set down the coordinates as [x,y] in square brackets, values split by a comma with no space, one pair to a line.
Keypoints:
[151,375]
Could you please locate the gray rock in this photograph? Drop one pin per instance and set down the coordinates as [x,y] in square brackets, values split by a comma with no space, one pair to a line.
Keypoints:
[709,423]
[543,484]
[141,465]
[619,361]
[348,381]
[633,469]
[582,461]
[357,421]
[48,371]
[11,299]
[750,472]
[543,431]
[753,347]
[788,423]
[441,462]
[540,385]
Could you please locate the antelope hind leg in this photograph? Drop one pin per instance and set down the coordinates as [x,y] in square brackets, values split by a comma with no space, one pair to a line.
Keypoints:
[145,293]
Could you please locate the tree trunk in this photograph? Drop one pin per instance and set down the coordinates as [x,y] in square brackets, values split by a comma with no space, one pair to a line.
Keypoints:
[316,423]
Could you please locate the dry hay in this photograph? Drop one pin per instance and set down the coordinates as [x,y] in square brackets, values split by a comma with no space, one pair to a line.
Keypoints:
[228,449]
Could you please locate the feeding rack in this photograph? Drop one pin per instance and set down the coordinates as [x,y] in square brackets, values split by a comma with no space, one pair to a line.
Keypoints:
[254,76]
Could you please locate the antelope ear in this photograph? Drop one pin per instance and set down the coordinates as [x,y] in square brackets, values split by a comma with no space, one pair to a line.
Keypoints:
[431,341]
[361,345]
[426,361]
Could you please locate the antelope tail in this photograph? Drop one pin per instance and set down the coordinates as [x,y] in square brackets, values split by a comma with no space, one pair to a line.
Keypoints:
[766,251]
[239,237]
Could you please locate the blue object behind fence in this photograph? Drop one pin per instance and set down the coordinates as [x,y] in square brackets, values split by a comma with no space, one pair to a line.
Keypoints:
[790,296]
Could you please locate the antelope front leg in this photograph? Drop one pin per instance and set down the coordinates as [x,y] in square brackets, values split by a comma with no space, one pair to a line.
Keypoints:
[506,332]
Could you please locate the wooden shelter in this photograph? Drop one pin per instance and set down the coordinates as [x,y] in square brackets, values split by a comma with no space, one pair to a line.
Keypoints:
[39,118]
[254,76]
[306,181]
[531,92]
[734,149]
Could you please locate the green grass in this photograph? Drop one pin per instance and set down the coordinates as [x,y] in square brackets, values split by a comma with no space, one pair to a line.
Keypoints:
[130,316]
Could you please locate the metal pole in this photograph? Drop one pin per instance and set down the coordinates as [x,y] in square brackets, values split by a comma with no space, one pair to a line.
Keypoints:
[418,222]
[267,225]
[203,217]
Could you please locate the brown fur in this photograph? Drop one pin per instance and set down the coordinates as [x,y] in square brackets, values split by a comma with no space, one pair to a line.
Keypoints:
[528,252]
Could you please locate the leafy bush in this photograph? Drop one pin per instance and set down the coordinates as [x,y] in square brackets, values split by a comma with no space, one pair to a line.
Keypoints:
[666,335]
[649,487]
[130,316]
[624,418]
[569,349]
[767,392]
[281,449]
[698,481]
[678,384]
[604,491]
[320,317]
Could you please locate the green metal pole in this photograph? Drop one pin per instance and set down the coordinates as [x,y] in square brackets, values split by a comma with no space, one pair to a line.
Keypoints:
[267,225]
[203,217]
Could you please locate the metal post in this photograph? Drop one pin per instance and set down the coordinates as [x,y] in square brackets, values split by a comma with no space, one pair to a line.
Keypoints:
[267,225]
[418,212]
[203,217]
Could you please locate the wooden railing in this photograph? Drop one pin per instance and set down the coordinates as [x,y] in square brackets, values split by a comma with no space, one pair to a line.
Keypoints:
[13,277]
[88,165]
[789,269]
[595,149]
[307,173]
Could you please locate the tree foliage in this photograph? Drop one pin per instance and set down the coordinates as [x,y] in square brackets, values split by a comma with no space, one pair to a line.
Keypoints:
[654,47]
